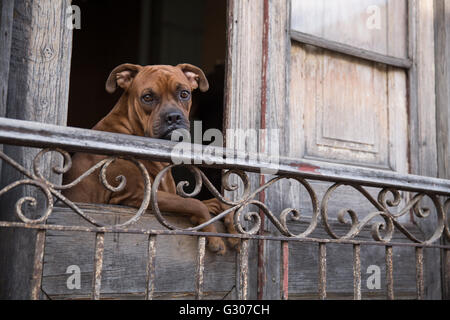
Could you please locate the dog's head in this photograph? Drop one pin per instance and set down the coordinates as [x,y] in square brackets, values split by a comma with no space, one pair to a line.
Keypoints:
[159,97]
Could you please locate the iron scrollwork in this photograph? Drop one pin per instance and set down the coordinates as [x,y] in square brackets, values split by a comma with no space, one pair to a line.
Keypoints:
[247,222]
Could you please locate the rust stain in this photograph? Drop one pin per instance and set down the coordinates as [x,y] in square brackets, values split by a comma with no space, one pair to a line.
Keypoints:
[305,168]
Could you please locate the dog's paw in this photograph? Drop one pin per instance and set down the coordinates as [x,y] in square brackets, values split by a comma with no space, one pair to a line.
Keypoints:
[216,207]
[216,245]
[234,243]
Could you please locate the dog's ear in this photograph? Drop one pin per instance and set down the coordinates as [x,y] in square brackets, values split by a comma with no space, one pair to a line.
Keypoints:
[195,76]
[122,76]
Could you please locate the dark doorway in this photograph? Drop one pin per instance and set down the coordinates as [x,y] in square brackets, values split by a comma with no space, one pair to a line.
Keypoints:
[147,32]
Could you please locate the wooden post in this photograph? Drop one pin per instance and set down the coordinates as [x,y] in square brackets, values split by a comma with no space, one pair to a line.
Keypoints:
[6,19]
[423,112]
[442,52]
[37,90]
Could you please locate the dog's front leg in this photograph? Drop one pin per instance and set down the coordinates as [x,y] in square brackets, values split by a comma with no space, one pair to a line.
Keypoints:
[198,212]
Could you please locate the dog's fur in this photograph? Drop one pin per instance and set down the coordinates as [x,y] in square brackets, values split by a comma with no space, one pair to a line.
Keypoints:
[156,101]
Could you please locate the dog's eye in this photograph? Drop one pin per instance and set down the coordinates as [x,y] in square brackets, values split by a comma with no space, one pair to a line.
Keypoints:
[185,95]
[148,98]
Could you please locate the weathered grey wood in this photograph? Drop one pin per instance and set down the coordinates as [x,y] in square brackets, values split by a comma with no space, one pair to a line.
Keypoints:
[276,143]
[442,53]
[38,90]
[373,26]
[125,262]
[423,146]
[125,259]
[243,96]
[349,50]
[6,21]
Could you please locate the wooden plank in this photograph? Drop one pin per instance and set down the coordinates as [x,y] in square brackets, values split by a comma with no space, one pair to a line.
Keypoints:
[442,53]
[125,262]
[275,142]
[6,21]
[304,266]
[373,26]
[38,90]
[350,50]
[243,90]
[125,259]
[6,24]
[423,135]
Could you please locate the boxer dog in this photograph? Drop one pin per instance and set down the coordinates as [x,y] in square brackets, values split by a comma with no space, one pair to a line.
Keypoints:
[156,100]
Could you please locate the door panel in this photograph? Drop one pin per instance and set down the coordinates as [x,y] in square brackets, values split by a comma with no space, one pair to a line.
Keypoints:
[354,111]
[375,25]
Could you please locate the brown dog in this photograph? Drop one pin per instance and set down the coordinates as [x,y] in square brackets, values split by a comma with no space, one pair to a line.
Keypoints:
[156,101]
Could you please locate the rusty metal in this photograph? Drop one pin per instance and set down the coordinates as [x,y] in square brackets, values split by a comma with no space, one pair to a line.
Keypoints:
[98,265]
[243,270]
[151,266]
[389,273]
[20,225]
[36,280]
[419,274]
[357,272]
[263,124]
[200,268]
[31,134]
[322,271]
[285,272]
[390,205]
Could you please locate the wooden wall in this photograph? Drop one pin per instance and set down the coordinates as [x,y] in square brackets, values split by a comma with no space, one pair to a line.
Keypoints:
[38,87]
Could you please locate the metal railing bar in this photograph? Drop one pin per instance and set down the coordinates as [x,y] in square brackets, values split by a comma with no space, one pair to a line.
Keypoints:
[151,266]
[209,234]
[243,270]
[31,134]
[200,269]
[419,274]
[322,271]
[36,280]
[285,270]
[98,265]
[357,271]
[389,273]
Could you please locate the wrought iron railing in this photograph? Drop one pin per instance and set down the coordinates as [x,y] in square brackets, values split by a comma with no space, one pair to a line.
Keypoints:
[389,204]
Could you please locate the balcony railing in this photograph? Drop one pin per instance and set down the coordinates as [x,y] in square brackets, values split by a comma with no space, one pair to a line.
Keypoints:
[398,196]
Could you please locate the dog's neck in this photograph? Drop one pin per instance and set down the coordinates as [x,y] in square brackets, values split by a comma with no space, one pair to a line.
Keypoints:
[121,119]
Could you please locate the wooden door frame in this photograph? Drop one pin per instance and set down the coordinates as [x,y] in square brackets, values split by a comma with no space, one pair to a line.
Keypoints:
[442,40]
[259,103]
[38,71]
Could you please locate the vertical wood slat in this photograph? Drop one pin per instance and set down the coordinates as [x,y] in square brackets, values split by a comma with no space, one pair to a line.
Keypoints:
[151,266]
[357,271]
[98,265]
[243,270]
[425,118]
[442,53]
[40,47]
[199,276]
[322,271]
[419,273]
[285,270]
[446,273]
[36,280]
[389,273]
[6,24]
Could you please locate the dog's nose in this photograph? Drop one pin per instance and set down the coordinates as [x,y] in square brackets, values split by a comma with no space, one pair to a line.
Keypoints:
[174,118]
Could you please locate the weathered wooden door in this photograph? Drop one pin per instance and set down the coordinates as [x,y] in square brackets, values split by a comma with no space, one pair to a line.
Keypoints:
[348,82]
